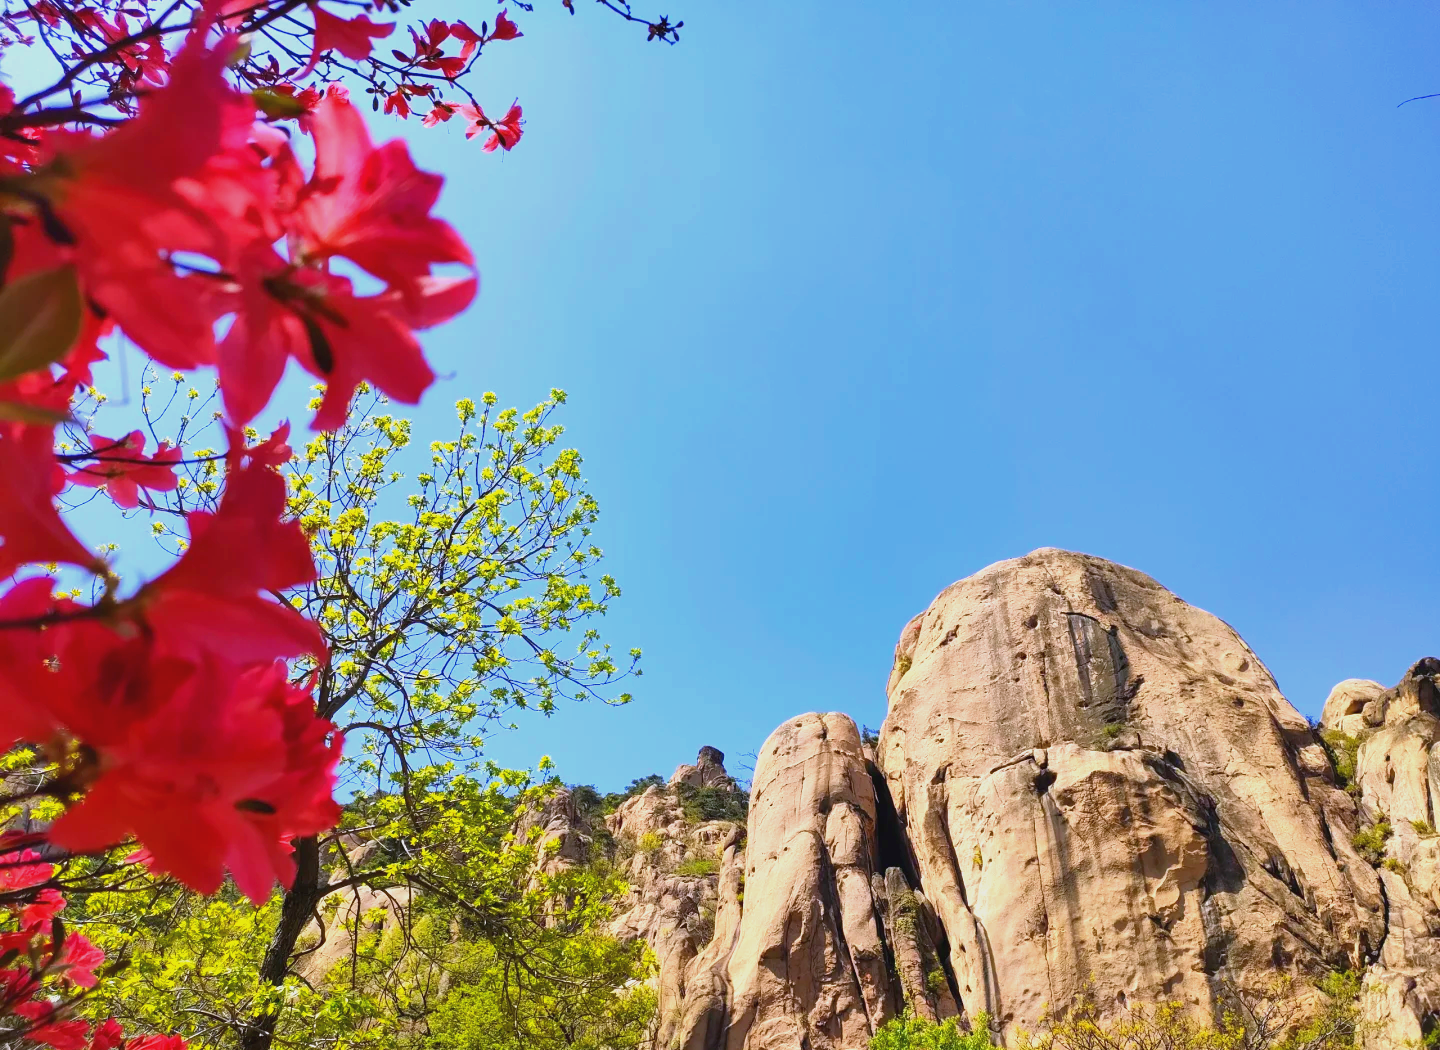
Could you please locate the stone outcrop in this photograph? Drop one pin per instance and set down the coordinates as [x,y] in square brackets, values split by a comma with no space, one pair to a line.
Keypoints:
[1395,734]
[1106,794]
[707,772]
[684,889]
[1083,787]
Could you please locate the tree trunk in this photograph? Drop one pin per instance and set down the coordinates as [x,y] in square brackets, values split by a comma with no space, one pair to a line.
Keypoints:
[296,911]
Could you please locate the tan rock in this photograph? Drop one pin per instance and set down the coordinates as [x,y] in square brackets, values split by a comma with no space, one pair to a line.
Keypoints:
[806,967]
[1396,769]
[1345,706]
[1106,793]
[708,771]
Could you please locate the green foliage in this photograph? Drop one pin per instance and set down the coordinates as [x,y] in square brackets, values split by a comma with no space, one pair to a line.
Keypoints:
[1370,842]
[1112,730]
[700,804]
[937,984]
[592,805]
[913,1033]
[594,1001]
[450,599]
[650,843]
[1276,1020]
[707,865]
[1423,828]
[1344,751]
[902,665]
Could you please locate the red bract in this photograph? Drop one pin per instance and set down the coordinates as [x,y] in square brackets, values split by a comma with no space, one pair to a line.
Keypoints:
[79,958]
[228,770]
[121,468]
[119,197]
[274,451]
[22,870]
[209,604]
[504,28]
[30,525]
[108,1035]
[505,133]
[315,318]
[353,38]
[155,1042]
[378,212]
[469,39]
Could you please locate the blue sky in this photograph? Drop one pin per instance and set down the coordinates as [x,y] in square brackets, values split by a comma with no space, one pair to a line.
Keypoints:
[852,300]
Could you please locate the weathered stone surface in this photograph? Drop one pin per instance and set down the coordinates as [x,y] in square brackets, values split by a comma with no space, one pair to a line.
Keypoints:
[562,838]
[1345,706]
[1084,786]
[805,967]
[1105,792]
[679,915]
[912,931]
[1397,770]
[708,771]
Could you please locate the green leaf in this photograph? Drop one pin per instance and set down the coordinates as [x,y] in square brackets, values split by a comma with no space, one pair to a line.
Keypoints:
[40,317]
[277,105]
[19,412]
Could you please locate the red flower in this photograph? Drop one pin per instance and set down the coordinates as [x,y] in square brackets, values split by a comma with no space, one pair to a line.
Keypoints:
[504,28]
[30,526]
[506,133]
[442,112]
[274,451]
[375,205]
[120,197]
[79,958]
[108,1035]
[210,601]
[22,870]
[156,1042]
[343,338]
[223,775]
[62,1035]
[40,912]
[398,102]
[121,468]
[470,39]
[353,38]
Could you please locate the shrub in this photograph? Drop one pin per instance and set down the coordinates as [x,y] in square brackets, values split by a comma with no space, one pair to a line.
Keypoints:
[935,981]
[1344,752]
[913,1033]
[700,804]
[1423,828]
[1371,841]
[698,866]
[650,844]
[1274,1020]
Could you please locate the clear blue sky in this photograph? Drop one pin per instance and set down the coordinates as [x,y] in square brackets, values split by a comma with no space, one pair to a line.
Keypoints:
[854,299]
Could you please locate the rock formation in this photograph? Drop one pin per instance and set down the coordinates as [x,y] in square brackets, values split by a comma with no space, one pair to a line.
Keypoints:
[1392,737]
[1083,786]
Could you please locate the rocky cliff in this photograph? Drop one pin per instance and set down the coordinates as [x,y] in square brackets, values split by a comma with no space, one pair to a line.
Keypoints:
[1083,786]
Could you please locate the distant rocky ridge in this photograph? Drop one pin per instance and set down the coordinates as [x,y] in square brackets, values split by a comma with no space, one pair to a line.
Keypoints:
[1083,786]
